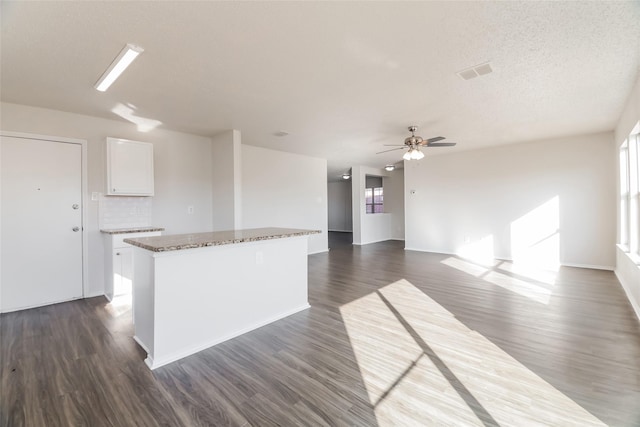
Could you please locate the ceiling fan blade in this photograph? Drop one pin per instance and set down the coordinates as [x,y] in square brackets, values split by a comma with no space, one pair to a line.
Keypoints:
[441,144]
[393,149]
[394,145]
[435,139]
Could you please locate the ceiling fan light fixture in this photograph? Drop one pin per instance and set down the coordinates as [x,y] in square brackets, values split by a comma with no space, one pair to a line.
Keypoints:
[414,143]
[416,154]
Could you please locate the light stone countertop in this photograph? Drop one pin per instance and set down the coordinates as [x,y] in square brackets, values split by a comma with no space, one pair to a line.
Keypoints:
[130,230]
[216,238]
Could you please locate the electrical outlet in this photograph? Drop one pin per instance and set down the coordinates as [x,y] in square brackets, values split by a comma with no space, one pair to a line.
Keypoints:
[190,210]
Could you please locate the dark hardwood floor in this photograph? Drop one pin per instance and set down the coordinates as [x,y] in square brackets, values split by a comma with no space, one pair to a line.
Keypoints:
[340,239]
[392,337]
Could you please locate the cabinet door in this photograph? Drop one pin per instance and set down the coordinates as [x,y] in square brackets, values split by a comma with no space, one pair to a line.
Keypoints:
[129,168]
[122,271]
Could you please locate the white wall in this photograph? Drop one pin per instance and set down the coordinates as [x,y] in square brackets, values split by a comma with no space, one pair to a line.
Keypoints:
[285,190]
[182,166]
[226,174]
[627,270]
[394,203]
[339,201]
[497,198]
[367,228]
[373,181]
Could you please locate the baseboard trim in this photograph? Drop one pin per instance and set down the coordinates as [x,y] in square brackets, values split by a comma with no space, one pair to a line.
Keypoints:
[153,363]
[374,241]
[95,294]
[591,266]
[627,290]
[563,264]
[141,344]
[429,251]
[29,307]
[319,252]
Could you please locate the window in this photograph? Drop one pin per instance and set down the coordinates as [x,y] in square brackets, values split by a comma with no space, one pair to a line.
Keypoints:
[634,193]
[624,194]
[630,193]
[374,200]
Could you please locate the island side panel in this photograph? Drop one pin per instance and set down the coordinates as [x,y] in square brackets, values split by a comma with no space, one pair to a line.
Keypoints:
[208,295]
[143,298]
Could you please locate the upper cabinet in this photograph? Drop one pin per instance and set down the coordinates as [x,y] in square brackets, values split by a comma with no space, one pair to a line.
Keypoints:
[129,168]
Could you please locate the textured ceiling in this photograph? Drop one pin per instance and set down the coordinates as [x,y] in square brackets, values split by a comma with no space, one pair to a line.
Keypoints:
[343,78]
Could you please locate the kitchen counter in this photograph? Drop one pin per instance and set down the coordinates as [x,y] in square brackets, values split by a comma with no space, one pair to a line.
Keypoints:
[130,230]
[217,238]
[193,291]
[118,261]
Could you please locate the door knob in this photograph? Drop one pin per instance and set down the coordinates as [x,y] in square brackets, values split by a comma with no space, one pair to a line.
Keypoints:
[76,229]
[75,206]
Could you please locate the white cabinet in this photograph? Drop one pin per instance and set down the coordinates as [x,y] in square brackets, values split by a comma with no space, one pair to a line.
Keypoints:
[119,263]
[122,270]
[129,168]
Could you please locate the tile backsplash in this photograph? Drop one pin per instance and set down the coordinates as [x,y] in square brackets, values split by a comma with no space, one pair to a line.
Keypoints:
[124,212]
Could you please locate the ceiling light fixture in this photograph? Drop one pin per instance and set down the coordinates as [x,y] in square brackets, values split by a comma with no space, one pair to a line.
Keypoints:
[346,176]
[389,168]
[122,61]
[414,153]
[415,142]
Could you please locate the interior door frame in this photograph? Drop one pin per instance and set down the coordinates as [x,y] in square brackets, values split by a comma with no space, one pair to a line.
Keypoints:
[83,195]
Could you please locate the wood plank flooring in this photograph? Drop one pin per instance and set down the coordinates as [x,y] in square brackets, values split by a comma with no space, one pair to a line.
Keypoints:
[392,337]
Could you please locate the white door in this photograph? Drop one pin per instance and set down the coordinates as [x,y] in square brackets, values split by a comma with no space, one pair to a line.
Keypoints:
[41,222]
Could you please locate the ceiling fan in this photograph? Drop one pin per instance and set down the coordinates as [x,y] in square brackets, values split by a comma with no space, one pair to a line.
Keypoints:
[414,143]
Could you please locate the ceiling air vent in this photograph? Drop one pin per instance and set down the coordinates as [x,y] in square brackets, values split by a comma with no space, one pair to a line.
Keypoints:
[475,71]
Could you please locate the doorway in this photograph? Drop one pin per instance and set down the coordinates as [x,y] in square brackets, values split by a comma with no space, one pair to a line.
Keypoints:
[41,223]
[340,223]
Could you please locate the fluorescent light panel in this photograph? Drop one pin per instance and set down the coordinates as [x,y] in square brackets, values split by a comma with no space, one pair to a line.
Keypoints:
[122,61]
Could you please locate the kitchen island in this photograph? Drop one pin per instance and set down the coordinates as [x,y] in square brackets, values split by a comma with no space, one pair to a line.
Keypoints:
[193,291]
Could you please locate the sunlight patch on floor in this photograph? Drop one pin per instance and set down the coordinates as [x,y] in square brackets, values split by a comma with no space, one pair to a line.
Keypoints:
[526,289]
[121,302]
[422,366]
[527,271]
[119,305]
[535,284]
[395,369]
[480,252]
[465,266]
